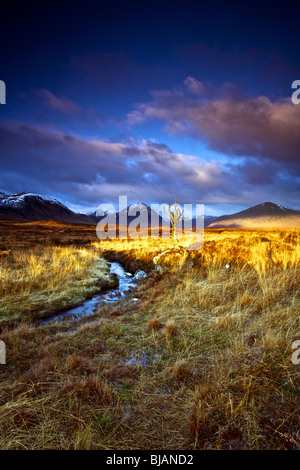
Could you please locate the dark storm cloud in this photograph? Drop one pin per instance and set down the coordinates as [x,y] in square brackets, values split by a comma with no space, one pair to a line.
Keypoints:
[259,173]
[96,169]
[60,112]
[88,172]
[236,126]
[60,104]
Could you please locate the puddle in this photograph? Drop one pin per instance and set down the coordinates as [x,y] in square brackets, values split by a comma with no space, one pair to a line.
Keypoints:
[126,283]
[144,360]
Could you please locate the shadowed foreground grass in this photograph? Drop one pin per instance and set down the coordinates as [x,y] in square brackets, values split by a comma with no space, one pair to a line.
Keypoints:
[201,361]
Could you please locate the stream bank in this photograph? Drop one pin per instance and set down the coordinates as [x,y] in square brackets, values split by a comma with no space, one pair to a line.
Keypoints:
[126,283]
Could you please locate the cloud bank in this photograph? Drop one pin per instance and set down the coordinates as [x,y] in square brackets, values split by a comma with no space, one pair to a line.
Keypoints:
[86,172]
[227,121]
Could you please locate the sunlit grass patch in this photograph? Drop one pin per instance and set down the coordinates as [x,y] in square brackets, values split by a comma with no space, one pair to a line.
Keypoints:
[39,282]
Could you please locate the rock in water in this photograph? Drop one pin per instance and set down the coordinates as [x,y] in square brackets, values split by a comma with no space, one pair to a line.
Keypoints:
[140,274]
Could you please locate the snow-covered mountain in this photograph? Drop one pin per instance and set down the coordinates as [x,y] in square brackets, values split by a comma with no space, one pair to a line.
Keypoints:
[141,212]
[19,200]
[144,213]
[33,207]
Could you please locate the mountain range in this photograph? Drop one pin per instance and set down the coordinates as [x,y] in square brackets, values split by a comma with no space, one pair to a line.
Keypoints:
[34,207]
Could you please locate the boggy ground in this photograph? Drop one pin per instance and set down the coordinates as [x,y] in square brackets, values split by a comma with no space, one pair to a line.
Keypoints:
[201,361]
[42,274]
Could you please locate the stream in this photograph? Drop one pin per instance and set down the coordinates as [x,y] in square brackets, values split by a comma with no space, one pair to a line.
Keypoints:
[126,283]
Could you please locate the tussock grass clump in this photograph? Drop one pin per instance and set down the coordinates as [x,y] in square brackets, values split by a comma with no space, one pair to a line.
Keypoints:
[181,371]
[91,389]
[78,363]
[154,324]
[171,328]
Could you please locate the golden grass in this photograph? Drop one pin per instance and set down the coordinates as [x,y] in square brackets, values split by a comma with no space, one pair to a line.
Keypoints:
[201,361]
[38,282]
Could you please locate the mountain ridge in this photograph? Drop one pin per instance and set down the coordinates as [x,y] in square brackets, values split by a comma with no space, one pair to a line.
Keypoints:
[34,207]
[261,215]
[31,207]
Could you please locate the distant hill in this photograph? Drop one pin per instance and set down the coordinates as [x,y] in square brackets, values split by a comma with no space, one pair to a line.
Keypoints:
[266,215]
[146,214]
[139,210]
[33,207]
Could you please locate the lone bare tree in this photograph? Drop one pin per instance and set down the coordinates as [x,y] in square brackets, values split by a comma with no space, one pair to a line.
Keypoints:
[175,217]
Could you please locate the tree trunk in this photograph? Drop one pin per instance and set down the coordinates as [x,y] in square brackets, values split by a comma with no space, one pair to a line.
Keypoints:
[174,228]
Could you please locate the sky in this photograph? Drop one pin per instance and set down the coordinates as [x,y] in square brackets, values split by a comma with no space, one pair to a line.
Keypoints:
[154,100]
